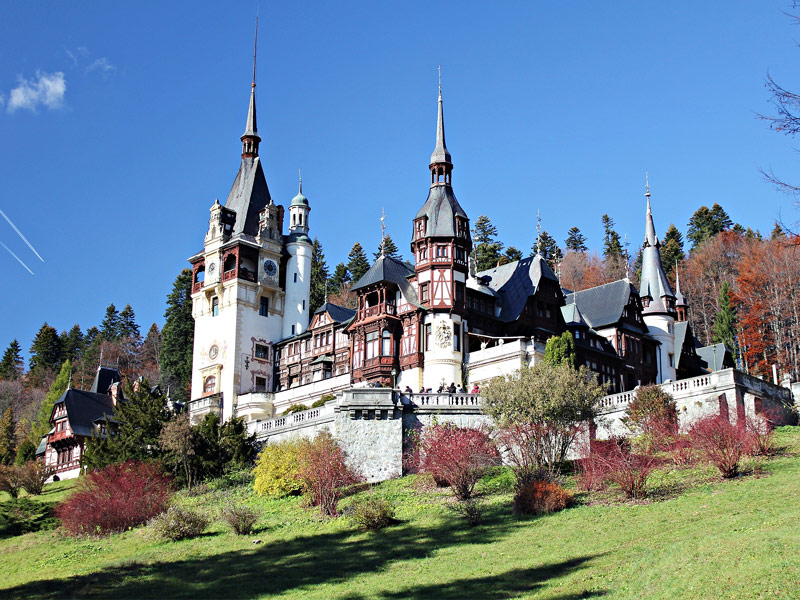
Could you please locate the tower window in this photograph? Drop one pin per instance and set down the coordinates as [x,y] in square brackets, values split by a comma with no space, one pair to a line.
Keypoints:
[457,337]
[423,292]
[261,351]
[214,306]
[263,308]
[292,329]
[441,251]
[295,277]
[386,343]
[304,304]
[427,336]
[210,385]
[261,384]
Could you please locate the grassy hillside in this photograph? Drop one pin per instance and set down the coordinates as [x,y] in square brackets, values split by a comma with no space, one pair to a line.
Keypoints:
[700,537]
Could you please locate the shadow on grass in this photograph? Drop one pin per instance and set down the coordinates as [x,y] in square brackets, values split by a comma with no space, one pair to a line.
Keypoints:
[300,563]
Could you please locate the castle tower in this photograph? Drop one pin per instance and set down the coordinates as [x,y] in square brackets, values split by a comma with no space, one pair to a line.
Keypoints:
[237,292]
[657,299]
[298,267]
[681,304]
[441,246]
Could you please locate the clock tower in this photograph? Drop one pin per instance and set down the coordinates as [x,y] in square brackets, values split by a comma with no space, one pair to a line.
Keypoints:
[239,293]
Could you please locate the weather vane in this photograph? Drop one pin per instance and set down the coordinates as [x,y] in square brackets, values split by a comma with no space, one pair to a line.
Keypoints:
[538,233]
[383,232]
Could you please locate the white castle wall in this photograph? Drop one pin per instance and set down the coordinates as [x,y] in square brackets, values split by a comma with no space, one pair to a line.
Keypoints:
[297,292]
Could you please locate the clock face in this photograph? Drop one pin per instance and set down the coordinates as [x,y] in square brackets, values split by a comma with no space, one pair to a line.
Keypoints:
[211,268]
[213,352]
[270,268]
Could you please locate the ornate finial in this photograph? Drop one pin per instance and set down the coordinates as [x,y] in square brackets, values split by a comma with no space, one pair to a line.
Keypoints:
[69,383]
[538,233]
[255,47]
[627,259]
[646,184]
[383,232]
[326,291]
[440,79]
[100,364]
[300,177]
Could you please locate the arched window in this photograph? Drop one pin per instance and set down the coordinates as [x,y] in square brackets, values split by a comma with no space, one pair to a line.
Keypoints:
[210,385]
[200,275]
[230,263]
[386,343]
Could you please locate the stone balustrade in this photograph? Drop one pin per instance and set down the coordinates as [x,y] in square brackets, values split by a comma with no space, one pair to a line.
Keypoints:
[298,420]
[445,399]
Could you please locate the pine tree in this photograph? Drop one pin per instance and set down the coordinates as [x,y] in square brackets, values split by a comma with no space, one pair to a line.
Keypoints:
[389,249]
[576,241]
[319,276]
[513,254]
[151,347]
[706,222]
[128,327]
[671,250]
[550,250]
[357,262]
[177,338]
[46,349]
[778,232]
[42,424]
[612,247]
[8,444]
[110,327]
[11,364]
[136,436]
[487,250]
[91,335]
[72,343]
[340,277]
[724,331]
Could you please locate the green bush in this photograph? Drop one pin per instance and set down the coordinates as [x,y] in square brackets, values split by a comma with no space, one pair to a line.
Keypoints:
[21,515]
[233,479]
[241,518]
[295,408]
[276,471]
[178,524]
[371,512]
[323,400]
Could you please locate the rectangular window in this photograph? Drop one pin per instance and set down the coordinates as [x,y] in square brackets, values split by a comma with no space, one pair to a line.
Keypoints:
[292,329]
[295,277]
[304,304]
[214,306]
[423,253]
[261,351]
[263,308]
[427,336]
[441,251]
[261,384]
[423,292]
[461,254]
[457,337]
[459,291]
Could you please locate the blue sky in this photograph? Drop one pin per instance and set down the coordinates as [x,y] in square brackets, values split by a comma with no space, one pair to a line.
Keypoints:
[120,125]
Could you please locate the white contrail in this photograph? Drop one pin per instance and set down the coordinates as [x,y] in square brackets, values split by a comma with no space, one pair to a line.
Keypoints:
[17,257]
[24,239]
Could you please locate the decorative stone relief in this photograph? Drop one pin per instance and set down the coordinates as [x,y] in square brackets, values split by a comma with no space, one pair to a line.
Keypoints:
[444,334]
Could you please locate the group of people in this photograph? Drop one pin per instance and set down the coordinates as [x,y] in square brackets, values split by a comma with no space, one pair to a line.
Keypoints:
[446,389]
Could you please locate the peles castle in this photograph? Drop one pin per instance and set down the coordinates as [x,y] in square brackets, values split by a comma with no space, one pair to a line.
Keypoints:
[419,325]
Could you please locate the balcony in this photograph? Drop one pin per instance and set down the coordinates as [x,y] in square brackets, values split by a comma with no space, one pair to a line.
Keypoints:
[240,273]
[197,286]
[198,409]
[379,309]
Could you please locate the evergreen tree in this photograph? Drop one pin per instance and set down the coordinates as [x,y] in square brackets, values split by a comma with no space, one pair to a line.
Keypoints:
[576,241]
[219,448]
[724,331]
[11,364]
[72,343]
[151,347]
[390,249]
[706,222]
[110,327]
[671,250]
[91,335]
[561,350]
[486,247]
[177,338]
[134,436]
[42,424]
[128,328]
[8,444]
[778,232]
[340,277]
[357,263]
[46,349]
[513,254]
[319,275]
[550,250]
[26,451]
[612,247]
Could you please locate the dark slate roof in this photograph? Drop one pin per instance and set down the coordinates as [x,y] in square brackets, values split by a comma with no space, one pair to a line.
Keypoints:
[515,282]
[681,328]
[572,315]
[104,379]
[42,447]
[603,305]
[385,268]
[713,355]
[83,408]
[441,208]
[248,195]
[339,314]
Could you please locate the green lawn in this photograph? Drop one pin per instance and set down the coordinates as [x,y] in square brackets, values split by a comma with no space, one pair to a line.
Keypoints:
[700,538]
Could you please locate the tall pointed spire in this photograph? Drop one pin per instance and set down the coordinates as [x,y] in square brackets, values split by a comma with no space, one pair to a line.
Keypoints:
[250,138]
[441,163]
[538,233]
[650,237]
[654,288]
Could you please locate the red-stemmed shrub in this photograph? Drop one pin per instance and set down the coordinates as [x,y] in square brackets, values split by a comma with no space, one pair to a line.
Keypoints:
[457,456]
[115,498]
[680,450]
[760,430]
[324,472]
[616,461]
[591,468]
[540,497]
[721,443]
[534,451]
